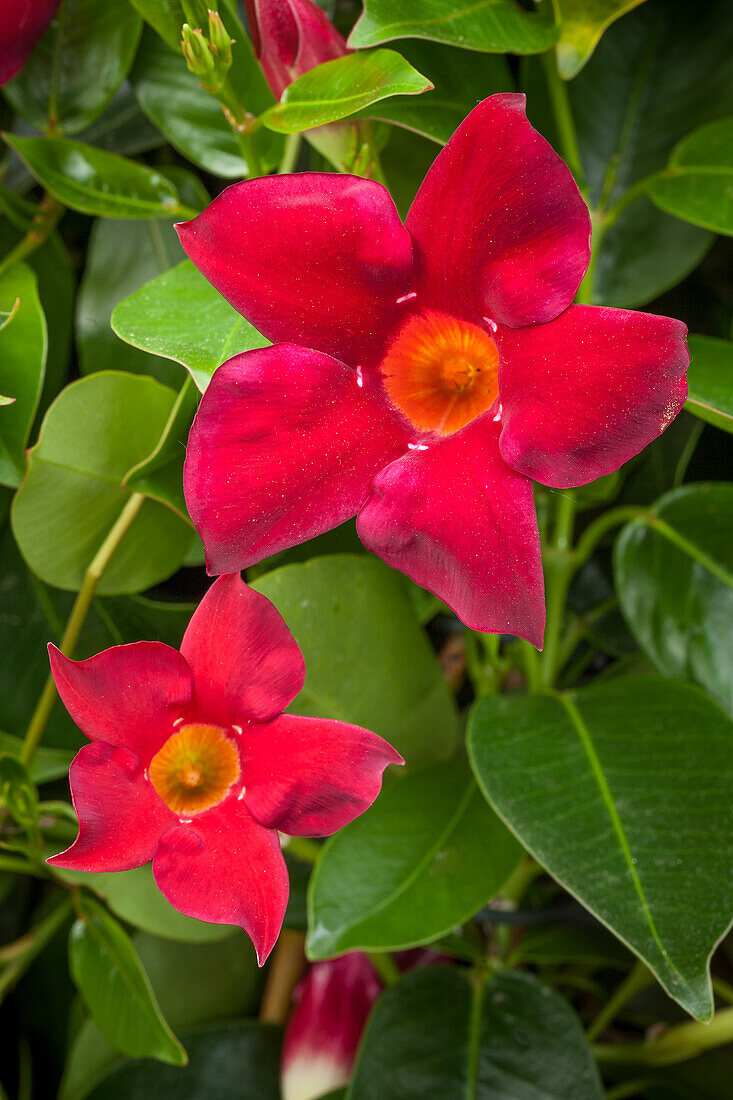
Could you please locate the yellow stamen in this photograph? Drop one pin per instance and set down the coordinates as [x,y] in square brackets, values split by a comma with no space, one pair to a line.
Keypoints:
[195,768]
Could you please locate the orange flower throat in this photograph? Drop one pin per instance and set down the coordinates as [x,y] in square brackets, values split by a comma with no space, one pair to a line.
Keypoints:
[441,372]
[195,768]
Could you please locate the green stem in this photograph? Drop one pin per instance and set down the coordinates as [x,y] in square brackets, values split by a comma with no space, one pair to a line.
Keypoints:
[307,851]
[76,620]
[629,1089]
[677,1044]
[596,530]
[385,966]
[290,156]
[687,452]
[563,117]
[38,937]
[638,978]
[44,221]
[17,865]
[559,570]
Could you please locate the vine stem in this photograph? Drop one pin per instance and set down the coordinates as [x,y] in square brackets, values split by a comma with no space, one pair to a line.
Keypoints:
[677,1044]
[288,963]
[564,118]
[638,978]
[36,940]
[76,621]
[558,569]
[44,221]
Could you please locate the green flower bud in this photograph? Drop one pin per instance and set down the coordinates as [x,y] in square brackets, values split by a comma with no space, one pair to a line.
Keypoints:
[221,42]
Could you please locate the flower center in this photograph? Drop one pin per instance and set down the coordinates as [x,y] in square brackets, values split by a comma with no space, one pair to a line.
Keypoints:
[195,768]
[441,372]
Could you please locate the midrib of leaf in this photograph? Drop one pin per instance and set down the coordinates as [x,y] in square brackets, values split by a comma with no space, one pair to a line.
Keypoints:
[474,1033]
[427,857]
[449,17]
[672,535]
[605,791]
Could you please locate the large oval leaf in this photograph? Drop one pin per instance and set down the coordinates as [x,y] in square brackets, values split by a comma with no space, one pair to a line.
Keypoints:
[441,1032]
[116,989]
[622,791]
[582,22]
[340,88]
[180,316]
[710,381]
[22,365]
[353,619]
[95,182]
[493,26]
[93,434]
[77,66]
[422,860]
[698,184]
[674,574]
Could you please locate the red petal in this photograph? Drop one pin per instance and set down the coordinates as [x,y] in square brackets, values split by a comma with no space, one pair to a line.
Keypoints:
[462,524]
[316,258]
[120,816]
[128,695]
[284,447]
[582,395]
[311,776]
[290,37]
[246,664]
[226,869]
[23,24]
[499,226]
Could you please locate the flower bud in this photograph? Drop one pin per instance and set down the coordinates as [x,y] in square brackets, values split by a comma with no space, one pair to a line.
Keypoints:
[221,42]
[290,37]
[334,1000]
[22,26]
[199,56]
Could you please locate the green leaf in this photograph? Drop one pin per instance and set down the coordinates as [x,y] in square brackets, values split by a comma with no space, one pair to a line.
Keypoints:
[560,946]
[426,856]
[95,182]
[460,79]
[622,791]
[165,16]
[710,381]
[180,316]
[492,26]
[338,89]
[233,1060]
[674,575]
[443,1032]
[582,22]
[193,984]
[115,987]
[698,184]
[353,620]
[77,66]
[48,764]
[160,475]
[93,434]
[22,364]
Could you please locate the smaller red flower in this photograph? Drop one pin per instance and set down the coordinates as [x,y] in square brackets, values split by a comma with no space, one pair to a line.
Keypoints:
[194,766]
[22,22]
[291,37]
[333,1002]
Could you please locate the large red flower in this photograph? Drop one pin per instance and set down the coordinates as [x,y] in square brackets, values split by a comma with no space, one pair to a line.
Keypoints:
[22,22]
[193,765]
[431,370]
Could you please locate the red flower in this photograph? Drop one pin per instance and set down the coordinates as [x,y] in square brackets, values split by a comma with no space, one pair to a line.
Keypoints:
[193,765]
[434,369]
[333,1002]
[22,22]
[290,37]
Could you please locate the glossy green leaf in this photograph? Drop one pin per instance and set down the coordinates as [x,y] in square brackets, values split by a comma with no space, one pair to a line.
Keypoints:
[710,381]
[233,1060]
[492,26]
[354,622]
[340,88]
[160,475]
[180,316]
[77,66]
[698,184]
[165,16]
[674,575]
[622,791]
[22,364]
[460,80]
[582,22]
[559,946]
[116,989]
[92,436]
[193,984]
[443,1032]
[99,183]
[421,861]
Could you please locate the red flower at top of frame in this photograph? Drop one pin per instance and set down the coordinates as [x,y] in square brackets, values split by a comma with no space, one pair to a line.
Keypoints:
[291,37]
[432,369]
[194,766]
[23,23]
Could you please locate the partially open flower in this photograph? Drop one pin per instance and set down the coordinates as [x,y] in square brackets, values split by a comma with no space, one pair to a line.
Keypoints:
[291,37]
[333,1002]
[431,369]
[22,22]
[193,765]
